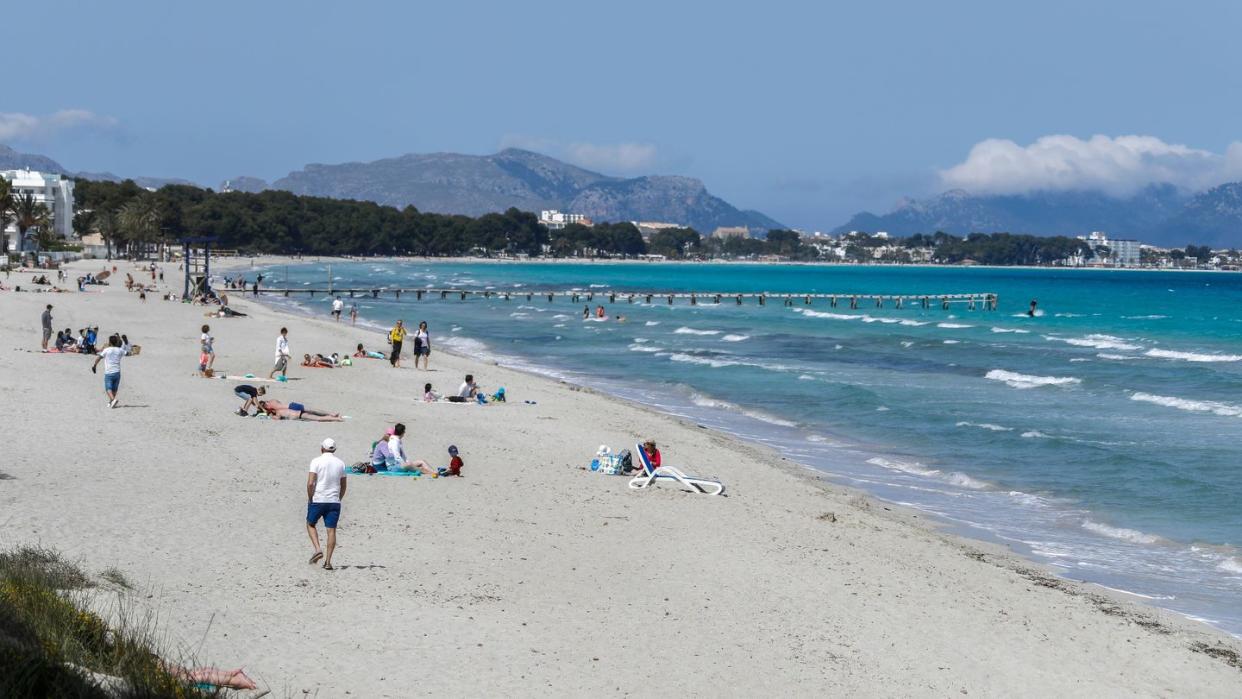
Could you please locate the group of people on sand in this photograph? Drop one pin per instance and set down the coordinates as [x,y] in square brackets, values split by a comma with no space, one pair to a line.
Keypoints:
[422,344]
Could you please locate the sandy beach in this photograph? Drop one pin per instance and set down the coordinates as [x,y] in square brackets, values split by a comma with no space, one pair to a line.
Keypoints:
[530,575]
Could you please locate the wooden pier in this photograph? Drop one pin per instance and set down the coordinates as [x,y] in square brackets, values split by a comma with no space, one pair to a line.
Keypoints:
[982,301]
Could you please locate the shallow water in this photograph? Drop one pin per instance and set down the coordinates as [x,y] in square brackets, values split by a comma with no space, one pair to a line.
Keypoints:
[1100,437]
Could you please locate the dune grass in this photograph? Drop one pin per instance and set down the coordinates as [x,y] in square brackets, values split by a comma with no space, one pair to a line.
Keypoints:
[50,643]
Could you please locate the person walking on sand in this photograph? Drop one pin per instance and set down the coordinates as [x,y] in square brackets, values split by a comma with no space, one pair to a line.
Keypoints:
[111,357]
[422,345]
[206,351]
[282,354]
[337,305]
[47,325]
[396,336]
[325,488]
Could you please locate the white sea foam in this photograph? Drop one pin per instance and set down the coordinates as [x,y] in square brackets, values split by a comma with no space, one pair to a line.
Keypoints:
[1194,406]
[1116,357]
[705,361]
[953,326]
[560,316]
[651,322]
[691,331]
[1096,341]
[903,466]
[1011,330]
[1231,565]
[644,348]
[907,343]
[1080,359]
[599,286]
[704,402]
[964,481]
[985,426]
[1151,317]
[735,338]
[1035,434]
[833,316]
[806,377]
[707,402]
[1017,380]
[914,323]
[952,342]
[1193,356]
[1131,535]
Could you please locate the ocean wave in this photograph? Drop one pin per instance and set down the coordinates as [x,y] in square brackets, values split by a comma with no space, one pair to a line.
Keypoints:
[734,338]
[964,481]
[1096,341]
[1194,406]
[1131,535]
[952,342]
[1011,330]
[1151,317]
[1116,357]
[1192,356]
[907,343]
[705,402]
[1016,380]
[953,326]
[651,322]
[703,361]
[825,314]
[645,348]
[985,426]
[903,466]
[1231,565]
[708,402]
[806,377]
[1036,434]
[691,331]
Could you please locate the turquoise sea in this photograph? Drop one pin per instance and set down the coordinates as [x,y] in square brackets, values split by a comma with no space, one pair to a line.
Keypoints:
[1101,437]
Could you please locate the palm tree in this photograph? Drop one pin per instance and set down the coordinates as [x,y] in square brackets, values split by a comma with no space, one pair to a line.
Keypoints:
[6,215]
[28,213]
[139,220]
[104,223]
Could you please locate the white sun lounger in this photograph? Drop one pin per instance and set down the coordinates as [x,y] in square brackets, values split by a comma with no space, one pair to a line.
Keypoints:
[668,473]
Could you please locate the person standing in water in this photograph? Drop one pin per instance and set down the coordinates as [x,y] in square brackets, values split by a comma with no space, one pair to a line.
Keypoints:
[353,314]
[1031,311]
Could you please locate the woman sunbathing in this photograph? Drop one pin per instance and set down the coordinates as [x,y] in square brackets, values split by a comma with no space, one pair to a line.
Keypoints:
[364,354]
[296,411]
[318,361]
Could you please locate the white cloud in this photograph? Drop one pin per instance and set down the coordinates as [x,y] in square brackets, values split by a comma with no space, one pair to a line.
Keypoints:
[1118,166]
[15,126]
[609,158]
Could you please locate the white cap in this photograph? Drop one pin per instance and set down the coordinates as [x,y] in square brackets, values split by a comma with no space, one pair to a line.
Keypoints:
[328,444]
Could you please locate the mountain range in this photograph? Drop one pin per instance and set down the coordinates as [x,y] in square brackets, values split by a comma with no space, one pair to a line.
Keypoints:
[13,160]
[1159,214]
[453,183]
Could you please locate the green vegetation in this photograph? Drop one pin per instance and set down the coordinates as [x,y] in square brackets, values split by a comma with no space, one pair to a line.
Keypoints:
[50,642]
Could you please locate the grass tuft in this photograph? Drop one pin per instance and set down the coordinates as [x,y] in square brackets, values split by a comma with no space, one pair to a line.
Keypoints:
[50,642]
[116,577]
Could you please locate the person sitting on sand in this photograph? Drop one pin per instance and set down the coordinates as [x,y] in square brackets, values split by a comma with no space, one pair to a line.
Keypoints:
[250,395]
[296,411]
[455,463]
[429,396]
[653,454]
[379,452]
[467,391]
[397,460]
[61,342]
[368,354]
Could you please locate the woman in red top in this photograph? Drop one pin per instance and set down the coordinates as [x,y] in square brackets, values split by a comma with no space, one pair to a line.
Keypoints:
[653,454]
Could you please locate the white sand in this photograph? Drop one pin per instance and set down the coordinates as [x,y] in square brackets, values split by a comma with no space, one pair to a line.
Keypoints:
[529,576]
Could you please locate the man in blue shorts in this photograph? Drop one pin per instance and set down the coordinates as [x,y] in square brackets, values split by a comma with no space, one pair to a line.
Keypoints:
[325,486]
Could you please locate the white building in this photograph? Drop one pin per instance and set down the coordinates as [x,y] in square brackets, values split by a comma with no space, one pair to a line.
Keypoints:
[53,191]
[1121,252]
[555,220]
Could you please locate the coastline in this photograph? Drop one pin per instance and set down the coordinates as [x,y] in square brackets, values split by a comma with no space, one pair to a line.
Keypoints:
[877,600]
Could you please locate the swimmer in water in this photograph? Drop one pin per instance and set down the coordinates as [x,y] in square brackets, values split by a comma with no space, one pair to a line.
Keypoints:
[1031,312]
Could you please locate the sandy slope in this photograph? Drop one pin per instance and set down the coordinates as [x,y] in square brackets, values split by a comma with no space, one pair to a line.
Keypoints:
[529,575]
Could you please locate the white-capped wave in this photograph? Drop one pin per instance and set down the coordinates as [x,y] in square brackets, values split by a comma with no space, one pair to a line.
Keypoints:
[954,326]
[985,426]
[707,402]
[914,323]
[644,348]
[907,343]
[952,342]
[824,314]
[1116,357]
[651,322]
[1194,406]
[704,361]
[1193,356]
[1011,330]
[806,377]
[1096,341]
[1151,317]
[903,466]
[691,331]
[964,481]
[1231,565]
[1132,535]
[1016,380]
[734,338]
[1035,434]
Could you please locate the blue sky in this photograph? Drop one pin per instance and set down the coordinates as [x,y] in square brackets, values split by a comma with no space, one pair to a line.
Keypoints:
[806,111]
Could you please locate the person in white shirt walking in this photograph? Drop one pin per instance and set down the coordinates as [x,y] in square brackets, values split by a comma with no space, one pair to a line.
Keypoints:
[325,488]
[111,358]
[282,354]
[337,305]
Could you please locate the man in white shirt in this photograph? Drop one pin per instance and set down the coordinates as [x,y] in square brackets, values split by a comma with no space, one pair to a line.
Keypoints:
[111,357]
[468,388]
[337,305]
[282,354]
[325,487]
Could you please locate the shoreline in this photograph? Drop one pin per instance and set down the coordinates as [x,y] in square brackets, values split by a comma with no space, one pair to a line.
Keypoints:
[823,473]
[758,555]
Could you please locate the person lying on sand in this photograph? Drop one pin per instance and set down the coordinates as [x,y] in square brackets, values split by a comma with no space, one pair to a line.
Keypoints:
[296,411]
[371,354]
[317,361]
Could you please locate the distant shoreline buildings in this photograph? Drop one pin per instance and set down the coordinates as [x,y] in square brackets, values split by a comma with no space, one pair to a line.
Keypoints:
[52,191]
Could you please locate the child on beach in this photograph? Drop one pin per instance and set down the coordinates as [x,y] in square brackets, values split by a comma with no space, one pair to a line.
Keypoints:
[207,353]
[111,357]
[250,394]
[430,396]
[455,464]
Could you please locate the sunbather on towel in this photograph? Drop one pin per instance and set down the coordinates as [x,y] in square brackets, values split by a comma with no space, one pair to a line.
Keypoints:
[296,411]
[368,354]
[317,361]
[397,460]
